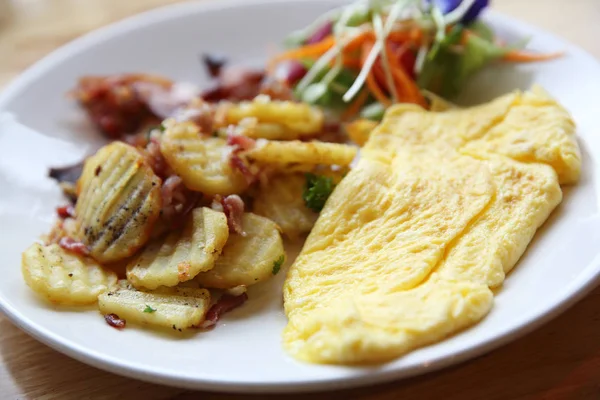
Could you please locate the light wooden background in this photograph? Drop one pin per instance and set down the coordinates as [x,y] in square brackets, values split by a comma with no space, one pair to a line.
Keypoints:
[559,361]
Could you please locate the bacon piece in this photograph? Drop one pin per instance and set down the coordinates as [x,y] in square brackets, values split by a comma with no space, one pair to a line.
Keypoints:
[67,211]
[164,102]
[240,142]
[225,304]
[240,165]
[155,158]
[233,207]
[114,103]
[114,321]
[74,246]
[177,201]
[235,83]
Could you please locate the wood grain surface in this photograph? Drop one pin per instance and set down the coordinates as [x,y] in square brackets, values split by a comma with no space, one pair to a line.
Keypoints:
[559,361]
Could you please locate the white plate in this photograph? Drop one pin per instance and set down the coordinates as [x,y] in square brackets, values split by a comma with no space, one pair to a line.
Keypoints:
[244,352]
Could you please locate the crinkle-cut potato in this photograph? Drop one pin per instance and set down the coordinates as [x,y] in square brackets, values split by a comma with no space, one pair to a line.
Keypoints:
[203,163]
[175,308]
[118,204]
[64,278]
[182,254]
[248,259]
[360,130]
[281,201]
[297,119]
[295,152]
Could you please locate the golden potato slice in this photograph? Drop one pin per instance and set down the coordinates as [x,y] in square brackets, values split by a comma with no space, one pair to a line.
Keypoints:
[64,278]
[296,119]
[119,202]
[360,130]
[249,259]
[281,201]
[202,163]
[295,152]
[182,254]
[178,309]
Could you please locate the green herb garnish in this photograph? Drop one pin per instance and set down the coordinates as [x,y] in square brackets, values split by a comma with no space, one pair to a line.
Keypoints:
[278,263]
[149,309]
[317,191]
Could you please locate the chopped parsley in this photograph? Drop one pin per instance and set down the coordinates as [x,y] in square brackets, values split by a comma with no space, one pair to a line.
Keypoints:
[278,263]
[149,309]
[317,191]
[162,127]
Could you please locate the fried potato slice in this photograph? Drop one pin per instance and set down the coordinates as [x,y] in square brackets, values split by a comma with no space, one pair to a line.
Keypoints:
[295,119]
[119,202]
[360,130]
[174,308]
[202,163]
[281,201]
[295,152]
[64,278]
[248,259]
[182,254]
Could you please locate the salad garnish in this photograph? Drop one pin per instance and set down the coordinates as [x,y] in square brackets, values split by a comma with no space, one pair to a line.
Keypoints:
[373,53]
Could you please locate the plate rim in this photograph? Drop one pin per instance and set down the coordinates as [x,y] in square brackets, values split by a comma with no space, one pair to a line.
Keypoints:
[586,281]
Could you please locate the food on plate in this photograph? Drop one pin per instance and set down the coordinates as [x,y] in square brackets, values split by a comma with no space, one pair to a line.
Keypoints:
[202,163]
[178,309]
[118,203]
[283,154]
[183,254]
[63,277]
[363,57]
[192,196]
[420,231]
[249,257]
[281,201]
[296,120]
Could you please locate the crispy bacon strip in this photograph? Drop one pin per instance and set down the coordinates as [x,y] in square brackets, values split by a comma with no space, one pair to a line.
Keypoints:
[115,104]
[74,246]
[241,143]
[233,207]
[225,304]
[67,211]
[114,321]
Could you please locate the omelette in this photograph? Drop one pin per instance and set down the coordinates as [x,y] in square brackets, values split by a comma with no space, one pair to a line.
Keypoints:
[438,210]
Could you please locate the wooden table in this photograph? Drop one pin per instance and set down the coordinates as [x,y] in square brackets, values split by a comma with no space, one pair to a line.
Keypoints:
[559,361]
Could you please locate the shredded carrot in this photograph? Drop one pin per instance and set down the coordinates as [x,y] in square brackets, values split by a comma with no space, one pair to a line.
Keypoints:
[308,51]
[525,56]
[371,81]
[357,42]
[413,35]
[352,62]
[356,105]
[406,87]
